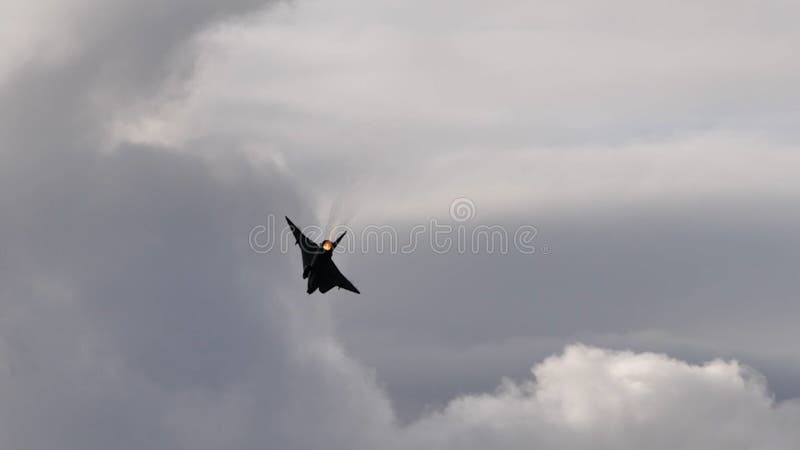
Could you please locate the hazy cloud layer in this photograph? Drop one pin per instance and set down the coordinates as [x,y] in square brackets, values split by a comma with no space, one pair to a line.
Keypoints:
[134,315]
[550,107]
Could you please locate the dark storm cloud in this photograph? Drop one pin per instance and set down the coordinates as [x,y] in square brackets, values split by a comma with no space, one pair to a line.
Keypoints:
[130,291]
[133,311]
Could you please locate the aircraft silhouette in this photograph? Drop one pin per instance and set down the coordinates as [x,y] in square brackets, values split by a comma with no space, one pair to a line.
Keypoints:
[318,266]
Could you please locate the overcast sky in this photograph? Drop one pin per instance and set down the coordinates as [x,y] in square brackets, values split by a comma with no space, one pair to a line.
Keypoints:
[653,147]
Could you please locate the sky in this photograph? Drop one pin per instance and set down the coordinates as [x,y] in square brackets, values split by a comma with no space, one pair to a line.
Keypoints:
[649,151]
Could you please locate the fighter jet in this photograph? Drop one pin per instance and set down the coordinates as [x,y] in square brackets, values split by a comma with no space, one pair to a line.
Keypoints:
[318,266]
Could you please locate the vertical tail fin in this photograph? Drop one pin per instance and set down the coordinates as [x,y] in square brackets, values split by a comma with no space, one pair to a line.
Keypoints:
[336,242]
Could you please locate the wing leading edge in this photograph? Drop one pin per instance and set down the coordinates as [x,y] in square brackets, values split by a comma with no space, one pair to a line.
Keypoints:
[307,247]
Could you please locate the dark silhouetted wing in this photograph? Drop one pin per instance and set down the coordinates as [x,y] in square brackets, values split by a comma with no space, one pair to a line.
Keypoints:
[330,278]
[307,247]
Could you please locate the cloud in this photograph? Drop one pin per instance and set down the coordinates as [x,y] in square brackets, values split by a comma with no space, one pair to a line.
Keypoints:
[696,279]
[134,315]
[555,107]
[595,398]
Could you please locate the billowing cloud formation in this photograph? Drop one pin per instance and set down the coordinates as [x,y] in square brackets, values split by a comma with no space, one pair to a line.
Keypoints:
[591,398]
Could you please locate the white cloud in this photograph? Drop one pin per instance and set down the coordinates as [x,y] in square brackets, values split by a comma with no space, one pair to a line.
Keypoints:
[593,398]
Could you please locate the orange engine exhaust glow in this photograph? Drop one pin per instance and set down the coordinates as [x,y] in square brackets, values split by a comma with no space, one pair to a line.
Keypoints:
[327,245]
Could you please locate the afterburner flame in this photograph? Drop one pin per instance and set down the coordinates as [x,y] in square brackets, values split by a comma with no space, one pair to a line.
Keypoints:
[327,245]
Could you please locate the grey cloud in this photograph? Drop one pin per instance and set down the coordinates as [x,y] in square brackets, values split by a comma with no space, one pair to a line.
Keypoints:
[134,315]
[714,277]
[542,103]
[514,76]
